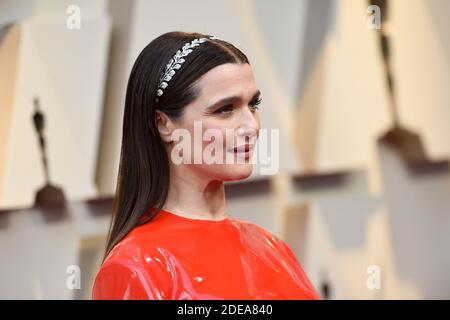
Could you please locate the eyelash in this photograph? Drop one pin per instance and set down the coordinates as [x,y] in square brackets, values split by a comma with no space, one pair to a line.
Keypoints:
[257,103]
[254,106]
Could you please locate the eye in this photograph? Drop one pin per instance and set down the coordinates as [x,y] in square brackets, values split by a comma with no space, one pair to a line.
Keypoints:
[255,104]
[225,109]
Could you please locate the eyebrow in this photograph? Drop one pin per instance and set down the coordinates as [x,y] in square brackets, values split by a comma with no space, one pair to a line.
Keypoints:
[232,99]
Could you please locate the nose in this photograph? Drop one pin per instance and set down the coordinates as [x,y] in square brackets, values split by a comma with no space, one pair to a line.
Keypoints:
[249,127]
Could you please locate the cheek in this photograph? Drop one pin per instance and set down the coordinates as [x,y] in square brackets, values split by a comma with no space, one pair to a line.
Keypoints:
[225,171]
[214,139]
[205,136]
[209,142]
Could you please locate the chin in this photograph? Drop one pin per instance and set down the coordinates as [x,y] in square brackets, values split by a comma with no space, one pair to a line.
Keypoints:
[229,172]
[237,172]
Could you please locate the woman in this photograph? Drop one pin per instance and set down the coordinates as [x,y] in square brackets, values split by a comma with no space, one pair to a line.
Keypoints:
[171,236]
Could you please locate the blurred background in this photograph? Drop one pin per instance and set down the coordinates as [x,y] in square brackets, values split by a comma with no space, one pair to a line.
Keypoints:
[358,89]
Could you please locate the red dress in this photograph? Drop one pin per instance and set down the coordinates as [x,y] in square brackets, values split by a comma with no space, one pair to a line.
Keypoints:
[173,257]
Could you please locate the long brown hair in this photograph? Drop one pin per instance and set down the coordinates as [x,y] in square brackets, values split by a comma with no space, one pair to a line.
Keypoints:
[143,177]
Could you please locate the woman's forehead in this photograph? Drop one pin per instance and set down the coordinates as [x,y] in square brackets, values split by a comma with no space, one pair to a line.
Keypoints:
[230,79]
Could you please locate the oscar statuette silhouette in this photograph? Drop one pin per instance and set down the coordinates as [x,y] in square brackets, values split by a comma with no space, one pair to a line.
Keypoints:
[407,142]
[49,198]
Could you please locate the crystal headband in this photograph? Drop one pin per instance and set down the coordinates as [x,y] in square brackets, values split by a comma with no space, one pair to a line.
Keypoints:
[176,62]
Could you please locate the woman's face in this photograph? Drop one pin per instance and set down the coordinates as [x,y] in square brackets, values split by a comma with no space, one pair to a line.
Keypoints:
[223,117]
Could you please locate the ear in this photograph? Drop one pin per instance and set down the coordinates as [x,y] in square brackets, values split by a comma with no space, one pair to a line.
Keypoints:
[164,125]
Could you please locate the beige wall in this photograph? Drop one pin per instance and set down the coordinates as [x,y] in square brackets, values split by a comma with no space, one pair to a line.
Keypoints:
[66,70]
[9,53]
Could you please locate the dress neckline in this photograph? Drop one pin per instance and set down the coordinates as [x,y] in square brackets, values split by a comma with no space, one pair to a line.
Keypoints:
[193,220]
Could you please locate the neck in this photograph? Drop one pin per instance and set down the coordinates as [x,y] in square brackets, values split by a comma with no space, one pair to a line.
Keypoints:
[194,196]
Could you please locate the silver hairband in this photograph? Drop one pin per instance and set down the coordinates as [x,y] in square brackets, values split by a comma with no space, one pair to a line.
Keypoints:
[176,62]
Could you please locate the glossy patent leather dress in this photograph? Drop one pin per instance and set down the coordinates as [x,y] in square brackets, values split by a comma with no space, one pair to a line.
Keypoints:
[173,257]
